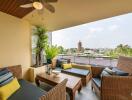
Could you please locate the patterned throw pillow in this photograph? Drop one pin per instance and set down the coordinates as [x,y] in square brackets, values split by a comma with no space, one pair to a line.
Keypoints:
[107,72]
[114,71]
[3,71]
[120,72]
[5,76]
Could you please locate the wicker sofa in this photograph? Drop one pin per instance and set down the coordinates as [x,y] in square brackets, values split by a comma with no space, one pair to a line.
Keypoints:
[114,87]
[29,91]
[82,71]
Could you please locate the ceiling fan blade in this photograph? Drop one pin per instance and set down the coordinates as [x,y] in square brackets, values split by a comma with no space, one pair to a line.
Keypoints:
[50,0]
[49,7]
[27,5]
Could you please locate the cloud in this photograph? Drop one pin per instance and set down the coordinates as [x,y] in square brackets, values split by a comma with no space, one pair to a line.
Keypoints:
[95,29]
[113,27]
[118,19]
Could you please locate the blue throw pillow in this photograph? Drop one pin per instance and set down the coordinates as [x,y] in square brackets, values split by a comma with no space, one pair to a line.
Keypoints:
[6,81]
[5,76]
[120,72]
[106,72]
[3,71]
[110,71]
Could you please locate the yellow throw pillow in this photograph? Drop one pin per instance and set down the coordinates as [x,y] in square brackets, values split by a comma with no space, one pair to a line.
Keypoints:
[7,90]
[67,66]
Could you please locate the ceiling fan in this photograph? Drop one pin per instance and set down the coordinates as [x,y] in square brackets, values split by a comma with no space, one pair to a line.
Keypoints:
[40,5]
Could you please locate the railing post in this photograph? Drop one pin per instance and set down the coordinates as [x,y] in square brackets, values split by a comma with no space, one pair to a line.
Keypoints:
[74,58]
[89,59]
[110,62]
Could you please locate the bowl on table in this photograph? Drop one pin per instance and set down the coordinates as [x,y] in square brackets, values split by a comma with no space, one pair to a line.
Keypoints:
[56,72]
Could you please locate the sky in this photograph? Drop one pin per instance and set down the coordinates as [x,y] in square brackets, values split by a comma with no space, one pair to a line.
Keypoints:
[106,33]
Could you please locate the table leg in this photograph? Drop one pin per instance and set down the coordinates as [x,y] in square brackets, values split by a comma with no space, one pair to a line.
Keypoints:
[72,96]
[37,81]
[80,87]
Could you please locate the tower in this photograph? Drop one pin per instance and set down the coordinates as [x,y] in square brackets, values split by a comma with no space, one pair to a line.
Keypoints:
[79,46]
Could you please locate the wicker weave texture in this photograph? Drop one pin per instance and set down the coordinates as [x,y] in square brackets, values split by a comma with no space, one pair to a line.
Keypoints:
[96,71]
[57,93]
[125,63]
[116,88]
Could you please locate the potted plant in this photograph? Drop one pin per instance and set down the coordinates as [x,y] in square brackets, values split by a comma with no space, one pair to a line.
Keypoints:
[39,42]
[42,40]
[51,52]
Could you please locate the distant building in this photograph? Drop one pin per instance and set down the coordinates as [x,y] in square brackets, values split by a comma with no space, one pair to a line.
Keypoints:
[89,52]
[80,48]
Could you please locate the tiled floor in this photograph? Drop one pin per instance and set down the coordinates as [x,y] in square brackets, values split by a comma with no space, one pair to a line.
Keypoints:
[85,94]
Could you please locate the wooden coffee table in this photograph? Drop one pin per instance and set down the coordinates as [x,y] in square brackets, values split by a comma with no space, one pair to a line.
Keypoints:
[74,83]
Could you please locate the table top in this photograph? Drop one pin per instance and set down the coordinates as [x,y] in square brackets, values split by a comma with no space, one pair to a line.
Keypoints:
[72,80]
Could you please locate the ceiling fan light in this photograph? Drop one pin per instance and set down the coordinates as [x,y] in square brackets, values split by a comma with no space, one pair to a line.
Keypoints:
[37,5]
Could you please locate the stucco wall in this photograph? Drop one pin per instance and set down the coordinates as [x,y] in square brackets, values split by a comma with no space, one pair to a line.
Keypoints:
[14,42]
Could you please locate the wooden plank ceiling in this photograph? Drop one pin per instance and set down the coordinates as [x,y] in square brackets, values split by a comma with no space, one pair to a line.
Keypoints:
[13,8]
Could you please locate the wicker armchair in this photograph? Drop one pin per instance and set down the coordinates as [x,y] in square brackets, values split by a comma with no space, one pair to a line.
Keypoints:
[57,93]
[114,87]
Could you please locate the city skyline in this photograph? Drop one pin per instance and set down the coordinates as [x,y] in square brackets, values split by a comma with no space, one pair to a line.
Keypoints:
[106,33]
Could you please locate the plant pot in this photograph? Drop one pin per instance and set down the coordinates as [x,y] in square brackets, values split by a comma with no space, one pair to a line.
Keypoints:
[35,71]
[54,63]
[49,61]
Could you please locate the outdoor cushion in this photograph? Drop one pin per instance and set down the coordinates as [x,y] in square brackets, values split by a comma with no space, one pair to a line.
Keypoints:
[6,81]
[7,90]
[97,81]
[27,91]
[5,76]
[120,72]
[110,71]
[67,66]
[76,71]
[3,71]
[107,72]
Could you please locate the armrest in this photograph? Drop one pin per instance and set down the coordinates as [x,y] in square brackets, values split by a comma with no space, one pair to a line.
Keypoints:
[16,70]
[86,67]
[119,87]
[56,93]
[96,71]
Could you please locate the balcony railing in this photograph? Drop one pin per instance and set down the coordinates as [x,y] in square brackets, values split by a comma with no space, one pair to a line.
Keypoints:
[103,61]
